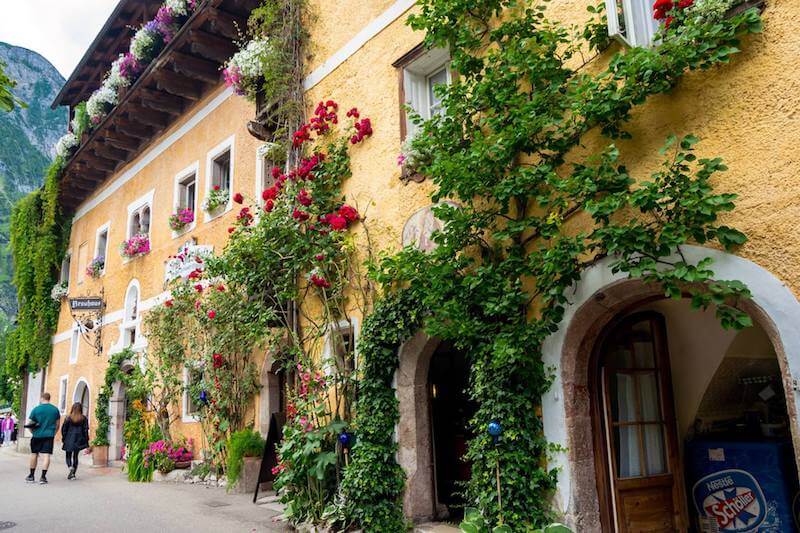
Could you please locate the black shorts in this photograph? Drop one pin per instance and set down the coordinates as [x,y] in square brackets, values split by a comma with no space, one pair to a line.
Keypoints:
[42,445]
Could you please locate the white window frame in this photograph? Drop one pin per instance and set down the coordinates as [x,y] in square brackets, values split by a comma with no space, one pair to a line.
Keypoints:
[640,26]
[328,348]
[135,207]
[75,345]
[193,169]
[127,324]
[228,145]
[63,387]
[65,272]
[97,251]
[187,417]
[263,171]
[415,83]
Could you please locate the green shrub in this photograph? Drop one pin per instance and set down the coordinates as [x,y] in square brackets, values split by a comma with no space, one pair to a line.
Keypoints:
[244,443]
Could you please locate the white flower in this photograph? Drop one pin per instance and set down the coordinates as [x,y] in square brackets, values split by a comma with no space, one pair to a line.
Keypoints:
[98,104]
[66,145]
[178,7]
[114,80]
[710,10]
[249,61]
[59,291]
[143,44]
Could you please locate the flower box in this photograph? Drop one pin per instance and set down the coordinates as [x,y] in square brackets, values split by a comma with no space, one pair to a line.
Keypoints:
[181,219]
[96,267]
[59,291]
[136,246]
[216,200]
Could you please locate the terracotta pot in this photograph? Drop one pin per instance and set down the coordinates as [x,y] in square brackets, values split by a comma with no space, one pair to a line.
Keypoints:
[183,464]
[248,478]
[100,456]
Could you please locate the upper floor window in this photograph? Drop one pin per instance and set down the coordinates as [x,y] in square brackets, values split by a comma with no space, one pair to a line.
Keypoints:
[62,393]
[83,261]
[66,263]
[185,200]
[139,222]
[187,192]
[340,349]
[75,346]
[192,378]
[219,179]
[631,21]
[422,72]
[264,166]
[101,248]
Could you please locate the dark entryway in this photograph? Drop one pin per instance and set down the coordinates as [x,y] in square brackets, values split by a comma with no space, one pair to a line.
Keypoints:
[451,410]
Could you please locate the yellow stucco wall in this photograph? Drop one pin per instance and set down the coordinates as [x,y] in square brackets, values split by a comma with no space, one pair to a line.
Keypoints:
[745,112]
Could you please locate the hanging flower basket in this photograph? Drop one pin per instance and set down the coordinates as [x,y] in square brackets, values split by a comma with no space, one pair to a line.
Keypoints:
[136,246]
[59,291]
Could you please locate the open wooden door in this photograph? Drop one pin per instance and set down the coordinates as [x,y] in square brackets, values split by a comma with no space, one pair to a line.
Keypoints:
[639,477]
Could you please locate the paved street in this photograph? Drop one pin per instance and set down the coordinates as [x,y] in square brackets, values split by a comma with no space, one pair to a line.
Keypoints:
[103,500]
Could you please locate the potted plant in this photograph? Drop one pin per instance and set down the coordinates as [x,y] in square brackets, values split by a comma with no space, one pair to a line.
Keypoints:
[412,160]
[96,267]
[100,451]
[216,199]
[135,246]
[179,220]
[245,449]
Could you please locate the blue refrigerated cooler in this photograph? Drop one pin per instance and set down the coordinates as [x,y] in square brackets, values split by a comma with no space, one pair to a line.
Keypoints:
[742,487]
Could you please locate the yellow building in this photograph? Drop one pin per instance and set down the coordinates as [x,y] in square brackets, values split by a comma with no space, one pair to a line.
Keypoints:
[179,132]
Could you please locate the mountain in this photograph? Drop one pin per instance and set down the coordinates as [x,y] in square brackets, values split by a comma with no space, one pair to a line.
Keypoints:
[27,140]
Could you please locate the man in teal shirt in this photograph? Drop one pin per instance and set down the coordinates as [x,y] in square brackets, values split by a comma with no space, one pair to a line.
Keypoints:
[44,421]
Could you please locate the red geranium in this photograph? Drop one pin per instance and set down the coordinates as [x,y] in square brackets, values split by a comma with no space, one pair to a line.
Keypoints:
[168,303]
[238,198]
[319,281]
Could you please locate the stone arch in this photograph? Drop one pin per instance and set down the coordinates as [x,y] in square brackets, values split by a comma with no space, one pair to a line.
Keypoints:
[271,390]
[117,412]
[415,453]
[603,295]
[83,395]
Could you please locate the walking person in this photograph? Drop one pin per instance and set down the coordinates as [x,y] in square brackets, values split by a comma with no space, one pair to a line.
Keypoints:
[7,427]
[43,423]
[74,436]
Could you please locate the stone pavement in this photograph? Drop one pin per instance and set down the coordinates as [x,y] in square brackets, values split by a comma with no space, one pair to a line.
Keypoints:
[101,499]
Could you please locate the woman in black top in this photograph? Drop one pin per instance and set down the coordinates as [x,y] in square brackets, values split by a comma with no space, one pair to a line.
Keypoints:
[75,436]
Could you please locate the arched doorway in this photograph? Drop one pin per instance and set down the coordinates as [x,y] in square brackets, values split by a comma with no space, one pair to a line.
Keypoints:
[430,382]
[82,395]
[602,298]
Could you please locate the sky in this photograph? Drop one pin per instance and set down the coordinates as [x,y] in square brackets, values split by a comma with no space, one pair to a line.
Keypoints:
[60,30]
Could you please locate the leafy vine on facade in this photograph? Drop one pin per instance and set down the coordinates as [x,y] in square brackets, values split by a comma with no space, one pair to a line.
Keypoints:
[533,212]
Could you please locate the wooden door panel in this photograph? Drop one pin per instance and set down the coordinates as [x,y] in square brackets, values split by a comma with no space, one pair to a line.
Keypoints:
[647,510]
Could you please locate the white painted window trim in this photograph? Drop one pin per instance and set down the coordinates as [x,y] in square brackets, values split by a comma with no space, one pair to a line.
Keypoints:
[226,145]
[61,278]
[187,418]
[133,207]
[194,168]
[262,171]
[415,83]
[75,345]
[107,228]
[63,390]
[125,324]
[327,349]
[76,399]
[640,25]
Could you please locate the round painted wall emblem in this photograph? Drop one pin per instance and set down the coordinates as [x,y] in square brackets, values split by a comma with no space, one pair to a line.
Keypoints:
[729,501]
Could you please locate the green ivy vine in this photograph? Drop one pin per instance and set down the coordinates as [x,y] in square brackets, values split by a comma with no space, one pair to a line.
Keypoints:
[115,373]
[513,150]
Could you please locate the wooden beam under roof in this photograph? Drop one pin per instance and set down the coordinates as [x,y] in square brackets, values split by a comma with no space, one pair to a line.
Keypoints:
[227,24]
[174,83]
[195,67]
[147,117]
[134,129]
[211,46]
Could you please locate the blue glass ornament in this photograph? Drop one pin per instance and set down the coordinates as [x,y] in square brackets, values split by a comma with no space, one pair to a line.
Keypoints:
[203,396]
[495,429]
[345,439]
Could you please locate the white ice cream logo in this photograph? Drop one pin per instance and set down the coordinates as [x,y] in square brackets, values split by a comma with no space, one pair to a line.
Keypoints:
[731,498]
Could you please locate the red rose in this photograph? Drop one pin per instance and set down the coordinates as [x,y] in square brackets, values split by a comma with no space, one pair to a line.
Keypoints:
[168,303]
[216,187]
[238,198]
[664,5]
[683,4]
[270,194]
[349,213]
[337,222]
[353,113]
[319,281]
[217,358]
[231,230]
[221,288]
[212,314]
[269,205]
[299,215]
[668,21]
[304,198]
[198,287]
[276,171]
[196,274]
[319,257]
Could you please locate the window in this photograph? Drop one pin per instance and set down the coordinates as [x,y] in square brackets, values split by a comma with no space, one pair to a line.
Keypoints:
[139,216]
[130,322]
[140,221]
[101,245]
[631,21]
[62,393]
[192,378]
[422,71]
[83,261]
[65,266]
[219,176]
[187,192]
[264,166]
[221,171]
[82,396]
[75,346]
[340,349]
